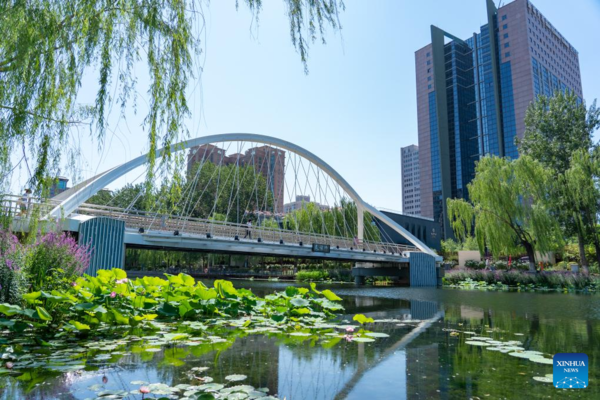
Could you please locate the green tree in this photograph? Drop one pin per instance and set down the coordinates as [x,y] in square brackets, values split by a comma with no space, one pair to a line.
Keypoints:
[555,128]
[580,188]
[339,220]
[509,208]
[46,47]
[229,190]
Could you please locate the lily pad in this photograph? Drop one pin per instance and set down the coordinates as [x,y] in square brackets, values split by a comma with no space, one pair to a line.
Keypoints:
[377,334]
[235,377]
[477,343]
[544,379]
[363,339]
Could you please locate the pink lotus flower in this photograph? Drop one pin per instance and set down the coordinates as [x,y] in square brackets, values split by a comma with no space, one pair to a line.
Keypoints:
[144,390]
[73,284]
[349,329]
[9,365]
[348,338]
[113,294]
[120,281]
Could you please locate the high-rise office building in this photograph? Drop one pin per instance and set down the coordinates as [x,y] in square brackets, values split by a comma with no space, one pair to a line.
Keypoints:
[411,192]
[472,95]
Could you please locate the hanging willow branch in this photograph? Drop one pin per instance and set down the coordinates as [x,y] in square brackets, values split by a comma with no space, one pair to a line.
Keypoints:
[47,46]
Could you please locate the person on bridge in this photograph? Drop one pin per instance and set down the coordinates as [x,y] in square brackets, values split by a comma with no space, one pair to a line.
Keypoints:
[248,230]
[25,202]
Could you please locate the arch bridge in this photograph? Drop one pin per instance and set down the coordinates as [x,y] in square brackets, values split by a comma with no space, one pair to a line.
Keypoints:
[238,193]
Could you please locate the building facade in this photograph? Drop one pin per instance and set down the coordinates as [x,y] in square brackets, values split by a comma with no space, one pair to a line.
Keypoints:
[266,160]
[411,191]
[425,229]
[59,186]
[300,202]
[472,95]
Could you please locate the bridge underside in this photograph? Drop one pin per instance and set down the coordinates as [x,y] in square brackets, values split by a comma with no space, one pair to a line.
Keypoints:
[164,241]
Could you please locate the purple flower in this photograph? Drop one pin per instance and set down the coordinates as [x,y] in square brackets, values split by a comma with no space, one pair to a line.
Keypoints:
[113,294]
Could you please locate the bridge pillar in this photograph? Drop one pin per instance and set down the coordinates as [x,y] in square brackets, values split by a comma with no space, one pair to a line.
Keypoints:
[105,236]
[359,280]
[360,223]
[423,270]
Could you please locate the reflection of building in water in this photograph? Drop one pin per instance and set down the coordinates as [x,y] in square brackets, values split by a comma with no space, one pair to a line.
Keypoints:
[423,309]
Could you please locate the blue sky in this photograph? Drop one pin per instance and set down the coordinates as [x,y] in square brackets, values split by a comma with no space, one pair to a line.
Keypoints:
[357,105]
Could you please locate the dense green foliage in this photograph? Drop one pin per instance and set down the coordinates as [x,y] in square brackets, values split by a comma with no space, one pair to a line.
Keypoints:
[339,220]
[508,208]
[559,134]
[545,280]
[46,48]
[194,195]
[312,276]
[112,299]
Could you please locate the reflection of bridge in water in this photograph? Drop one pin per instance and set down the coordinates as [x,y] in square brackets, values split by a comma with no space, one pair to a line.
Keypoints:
[207,216]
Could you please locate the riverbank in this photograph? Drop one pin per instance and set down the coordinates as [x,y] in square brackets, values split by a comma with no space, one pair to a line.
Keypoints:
[521,280]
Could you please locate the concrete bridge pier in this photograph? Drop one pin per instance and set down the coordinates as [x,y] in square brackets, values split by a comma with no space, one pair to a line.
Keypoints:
[420,270]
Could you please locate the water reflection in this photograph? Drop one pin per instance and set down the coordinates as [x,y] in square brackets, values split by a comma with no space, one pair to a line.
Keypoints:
[419,359]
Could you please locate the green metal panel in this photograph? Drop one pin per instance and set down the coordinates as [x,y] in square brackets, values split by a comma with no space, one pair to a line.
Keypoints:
[423,270]
[105,236]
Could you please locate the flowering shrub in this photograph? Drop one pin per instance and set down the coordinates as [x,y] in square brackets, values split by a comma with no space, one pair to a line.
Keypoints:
[11,260]
[55,260]
[549,280]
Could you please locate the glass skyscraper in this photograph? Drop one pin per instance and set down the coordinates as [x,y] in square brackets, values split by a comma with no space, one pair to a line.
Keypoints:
[472,96]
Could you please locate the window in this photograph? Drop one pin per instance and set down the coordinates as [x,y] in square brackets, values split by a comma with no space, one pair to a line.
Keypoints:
[428,62]
[504,18]
[428,54]
[505,26]
[429,78]
[428,86]
[428,70]
[506,36]
[507,54]
[506,45]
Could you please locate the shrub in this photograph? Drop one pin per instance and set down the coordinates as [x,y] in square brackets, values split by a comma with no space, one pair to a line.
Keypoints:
[12,283]
[550,280]
[55,261]
[473,264]
[306,276]
[501,265]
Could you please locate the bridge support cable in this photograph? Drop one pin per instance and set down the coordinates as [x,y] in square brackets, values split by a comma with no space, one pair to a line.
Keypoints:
[335,217]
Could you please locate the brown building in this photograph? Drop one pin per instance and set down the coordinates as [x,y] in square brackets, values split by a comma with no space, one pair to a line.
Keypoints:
[266,160]
[472,96]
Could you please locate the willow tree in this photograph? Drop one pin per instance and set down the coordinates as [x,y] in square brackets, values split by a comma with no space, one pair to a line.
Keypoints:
[556,127]
[508,208]
[580,187]
[46,47]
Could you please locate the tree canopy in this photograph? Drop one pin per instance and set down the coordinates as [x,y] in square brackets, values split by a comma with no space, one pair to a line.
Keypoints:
[559,132]
[46,47]
[509,208]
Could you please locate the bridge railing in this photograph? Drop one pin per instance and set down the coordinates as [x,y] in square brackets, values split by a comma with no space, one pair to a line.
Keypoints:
[23,206]
[151,221]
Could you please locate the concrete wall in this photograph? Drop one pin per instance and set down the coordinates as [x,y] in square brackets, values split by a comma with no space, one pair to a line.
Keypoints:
[464,256]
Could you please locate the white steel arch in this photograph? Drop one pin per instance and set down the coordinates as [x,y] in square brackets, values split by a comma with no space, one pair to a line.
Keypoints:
[71,199]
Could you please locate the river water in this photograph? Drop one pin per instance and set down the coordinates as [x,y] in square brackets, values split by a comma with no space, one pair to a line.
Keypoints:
[420,359]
